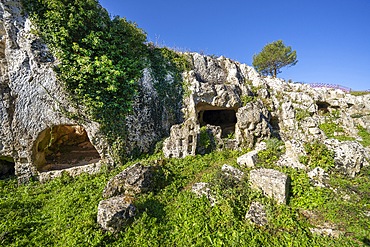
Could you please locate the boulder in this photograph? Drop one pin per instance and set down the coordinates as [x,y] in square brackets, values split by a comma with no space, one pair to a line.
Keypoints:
[232,172]
[257,214]
[349,156]
[273,183]
[114,213]
[133,180]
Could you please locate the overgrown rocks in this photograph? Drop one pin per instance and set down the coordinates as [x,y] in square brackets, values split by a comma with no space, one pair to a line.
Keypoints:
[319,177]
[203,189]
[350,156]
[133,180]
[257,214]
[114,213]
[232,172]
[273,183]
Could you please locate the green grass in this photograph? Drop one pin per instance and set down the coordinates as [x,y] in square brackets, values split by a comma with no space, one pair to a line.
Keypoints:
[63,212]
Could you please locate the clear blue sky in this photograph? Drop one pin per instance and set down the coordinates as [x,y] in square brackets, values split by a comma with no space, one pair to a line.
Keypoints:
[331,37]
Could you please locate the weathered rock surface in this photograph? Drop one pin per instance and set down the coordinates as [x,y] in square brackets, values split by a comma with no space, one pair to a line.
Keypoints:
[257,214]
[133,180]
[232,172]
[248,160]
[350,156]
[319,177]
[203,189]
[33,103]
[273,183]
[115,213]
[238,106]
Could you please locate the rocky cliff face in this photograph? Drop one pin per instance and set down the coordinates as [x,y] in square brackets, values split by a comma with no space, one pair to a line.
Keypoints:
[38,136]
[225,105]
[239,108]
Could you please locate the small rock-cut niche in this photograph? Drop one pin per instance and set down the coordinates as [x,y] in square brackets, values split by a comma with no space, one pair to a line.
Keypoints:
[7,167]
[63,146]
[322,107]
[223,117]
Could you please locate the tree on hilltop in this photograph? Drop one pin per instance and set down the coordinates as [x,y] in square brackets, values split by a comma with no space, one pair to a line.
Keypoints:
[273,57]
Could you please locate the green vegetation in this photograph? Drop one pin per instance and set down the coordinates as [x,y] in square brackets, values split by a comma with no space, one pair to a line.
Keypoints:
[100,61]
[318,155]
[274,149]
[63,212]
[365,135]
[333,130]
[359,93]
[273,57]
[301,114]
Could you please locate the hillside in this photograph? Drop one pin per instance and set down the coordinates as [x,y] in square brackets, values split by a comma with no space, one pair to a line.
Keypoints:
[107,140]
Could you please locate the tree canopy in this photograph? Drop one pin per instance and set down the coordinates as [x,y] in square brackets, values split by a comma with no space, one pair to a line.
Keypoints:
[273,57]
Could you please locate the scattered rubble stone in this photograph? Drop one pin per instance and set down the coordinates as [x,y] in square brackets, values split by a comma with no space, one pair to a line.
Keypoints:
[232,172]
[133,180]
[203,189]
[273,183]
[257,214]
[114,213]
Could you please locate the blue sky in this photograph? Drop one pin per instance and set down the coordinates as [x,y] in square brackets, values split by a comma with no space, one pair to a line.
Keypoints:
[331,37]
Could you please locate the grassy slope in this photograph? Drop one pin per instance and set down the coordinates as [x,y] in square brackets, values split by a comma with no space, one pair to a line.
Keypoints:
[63,212]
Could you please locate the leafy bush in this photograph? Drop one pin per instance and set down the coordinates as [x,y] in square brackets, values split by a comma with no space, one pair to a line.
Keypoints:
[99,59]
[318,155]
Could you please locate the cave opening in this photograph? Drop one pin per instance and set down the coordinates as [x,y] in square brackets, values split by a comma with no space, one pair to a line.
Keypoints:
[7,167]
[63,146]
[322,107]
[225,118]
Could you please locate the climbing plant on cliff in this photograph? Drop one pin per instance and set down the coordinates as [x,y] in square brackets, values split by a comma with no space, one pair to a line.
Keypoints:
[273,57]
[100,59]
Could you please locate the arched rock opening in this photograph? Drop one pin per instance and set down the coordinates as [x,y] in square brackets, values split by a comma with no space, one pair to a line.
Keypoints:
[7,167]
[63,146]
[322,107]
[218,116]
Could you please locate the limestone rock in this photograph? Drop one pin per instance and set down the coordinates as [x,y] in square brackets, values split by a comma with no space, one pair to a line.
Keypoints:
[203,189]
[133,180]
[249,159]
[328,232]
[114,213]
[350,156]
[318,177]
[252,124]
[232,172]
[273,183]
[257,214]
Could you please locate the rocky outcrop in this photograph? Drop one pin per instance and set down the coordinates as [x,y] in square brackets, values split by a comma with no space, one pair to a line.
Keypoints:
[231,102]
[35,109]
[349,156]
